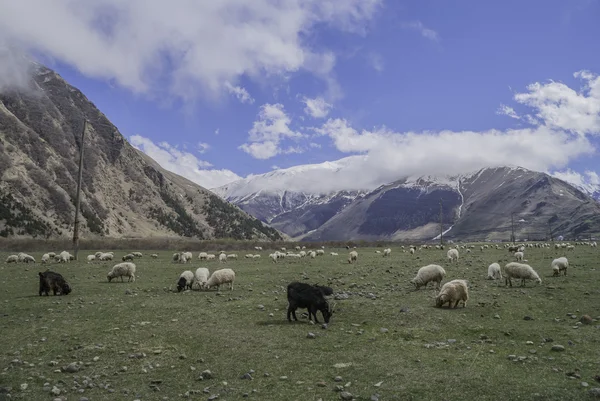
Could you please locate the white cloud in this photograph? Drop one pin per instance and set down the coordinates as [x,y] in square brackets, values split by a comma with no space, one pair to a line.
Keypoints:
[217,131]
[195,46]
[376,61]
[505,110]
[239,92]
[183,163]
[424,31]
[557,106]
[317,107]
[588,181]
[202,147]
[14,68]
[275,167]
[314,145]
[268,131]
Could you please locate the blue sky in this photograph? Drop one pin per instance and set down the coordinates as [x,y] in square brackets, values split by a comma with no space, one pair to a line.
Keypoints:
[216,92]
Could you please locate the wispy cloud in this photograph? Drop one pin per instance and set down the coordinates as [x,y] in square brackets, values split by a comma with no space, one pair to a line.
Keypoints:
[202,147]
[422,29]
[376,61]
[589,181]
[317,107]
[183,163]
[239,92]
[505,110]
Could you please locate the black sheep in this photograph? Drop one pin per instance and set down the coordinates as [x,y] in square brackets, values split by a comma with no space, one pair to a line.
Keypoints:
[55,282]
[302,295]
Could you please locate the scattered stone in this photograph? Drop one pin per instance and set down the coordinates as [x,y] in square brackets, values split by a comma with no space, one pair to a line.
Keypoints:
[375,397]
[451,341]
[496,316]
[584,384]
[321,384]
[71,368]
[404,309]
[261,307]
[213,397]
[246,376]
[55,391]
[344,395]
[324,326]
[206,375]
[337,379]
[527,318]
[586,319]
[311,335]
[383,330]
[378,384]
[558,348]
[283,377]
[595,392]
[529,343]
[128,292]
[96,359]
[24,386]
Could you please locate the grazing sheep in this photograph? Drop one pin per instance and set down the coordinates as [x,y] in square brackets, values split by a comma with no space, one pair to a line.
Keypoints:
[302,254]
[51,254]
[249,256]
[453,291]
[220,277]
[203,256]
[154,255]
[127,257]
[176,257]
[211,256]
[334,254]
[12,259]
[45,258]
[137,254]
[519,256]
[519,271]
[255,256]
[320,252]
[273,257]
[106,256]
[232,256]
[429,273]
[559,265]
[188,256]
[494,272]
[126,269]
[183,257]
[91,258]
[352,257]
[513,248]
[51,281]
[452,255]
[186,279]
[312,254]
[387,252]
[412,251]
[222,257]
[303,295]
[201,276]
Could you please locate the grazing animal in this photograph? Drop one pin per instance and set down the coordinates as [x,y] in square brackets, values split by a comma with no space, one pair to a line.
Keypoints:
[559,265]
[55,282]
[186,279]
[352,257]
[429,273]
[126,269]
[494,272]
[519,271]
[219,277]
[453,291]
[302,295]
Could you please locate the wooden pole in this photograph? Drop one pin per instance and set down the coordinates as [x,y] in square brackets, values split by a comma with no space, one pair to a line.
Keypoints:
[78,198]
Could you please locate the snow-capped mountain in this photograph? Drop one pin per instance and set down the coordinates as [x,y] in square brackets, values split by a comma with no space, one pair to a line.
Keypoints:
[475,205]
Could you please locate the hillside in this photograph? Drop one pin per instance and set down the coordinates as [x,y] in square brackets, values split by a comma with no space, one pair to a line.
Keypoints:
[124,192]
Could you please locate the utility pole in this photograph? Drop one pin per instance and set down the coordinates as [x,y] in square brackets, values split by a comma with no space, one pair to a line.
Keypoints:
[551,235]
[78,198]
[512,227]
[441,224]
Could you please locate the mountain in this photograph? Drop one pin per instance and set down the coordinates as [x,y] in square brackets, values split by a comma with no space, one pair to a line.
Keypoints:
[124,192]
[485,204]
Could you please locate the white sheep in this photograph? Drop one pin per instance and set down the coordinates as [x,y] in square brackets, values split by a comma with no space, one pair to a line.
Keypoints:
[45,258]
[106,256]
[558,265]
[220,277]
[257,256]
[387,252]
[222,257]
[126,269]
[12,259]
[203,256]
[519,256]
[28,259]
[91,258]
[211,256]
[232,256]
[429,273]
[129,256]
[188,256]
[334,253]
[137,254]
[273,257]
[51,254]
[452,255]
[412,251]
[352,257]
[312,254]
[154,255]
[453,291]
[185,280]
[201,276]
[302,254]
[320,252]
[494,272]
[519,271]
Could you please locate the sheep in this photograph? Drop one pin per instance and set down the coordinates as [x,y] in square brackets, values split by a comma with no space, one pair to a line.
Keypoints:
[312,254]
[232,256]
[211,256]
[494,272]
[186,279]
[302,254]
[201,276]
[513,248]
[127,257]
[320,252]
[106,256]
[570,248]
[428,273]
[154,255]
[188,256]
[51,254]
[219,277]
[273,257]
[28,259]
[222,257]
[303,295]
[519,271]
[352,257]
[453,291]
[126,269]
[183,257]
[45,258]
[452,255]
[12,259]
[255,256]
[203,256]
[412,251]
[558,265]
[378,252]
[519,256]
[51,281]
[137,254]
[387,252]
[334,254]
[91,258]
[176,257]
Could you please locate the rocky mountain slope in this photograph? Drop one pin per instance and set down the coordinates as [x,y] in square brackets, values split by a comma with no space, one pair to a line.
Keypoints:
[124,192]
[481,205]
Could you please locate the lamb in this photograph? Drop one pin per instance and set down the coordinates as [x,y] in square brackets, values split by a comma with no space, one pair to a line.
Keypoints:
[519,271]
[428,273]
[126,269]
[219,277]
[45,258]
[519,256]
[201,276]
[12,259]
[91,258]
[352,257]
[494,272]
[387,252]
[51,281]
[186,279]
[452,255]
[302,295]
[453,291]
[127,257]
[558,265]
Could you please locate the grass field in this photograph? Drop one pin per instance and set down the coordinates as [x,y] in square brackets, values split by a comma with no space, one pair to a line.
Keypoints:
[142,341]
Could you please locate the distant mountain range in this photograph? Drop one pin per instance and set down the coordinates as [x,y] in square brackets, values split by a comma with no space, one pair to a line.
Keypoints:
[485,204]
[124,192]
